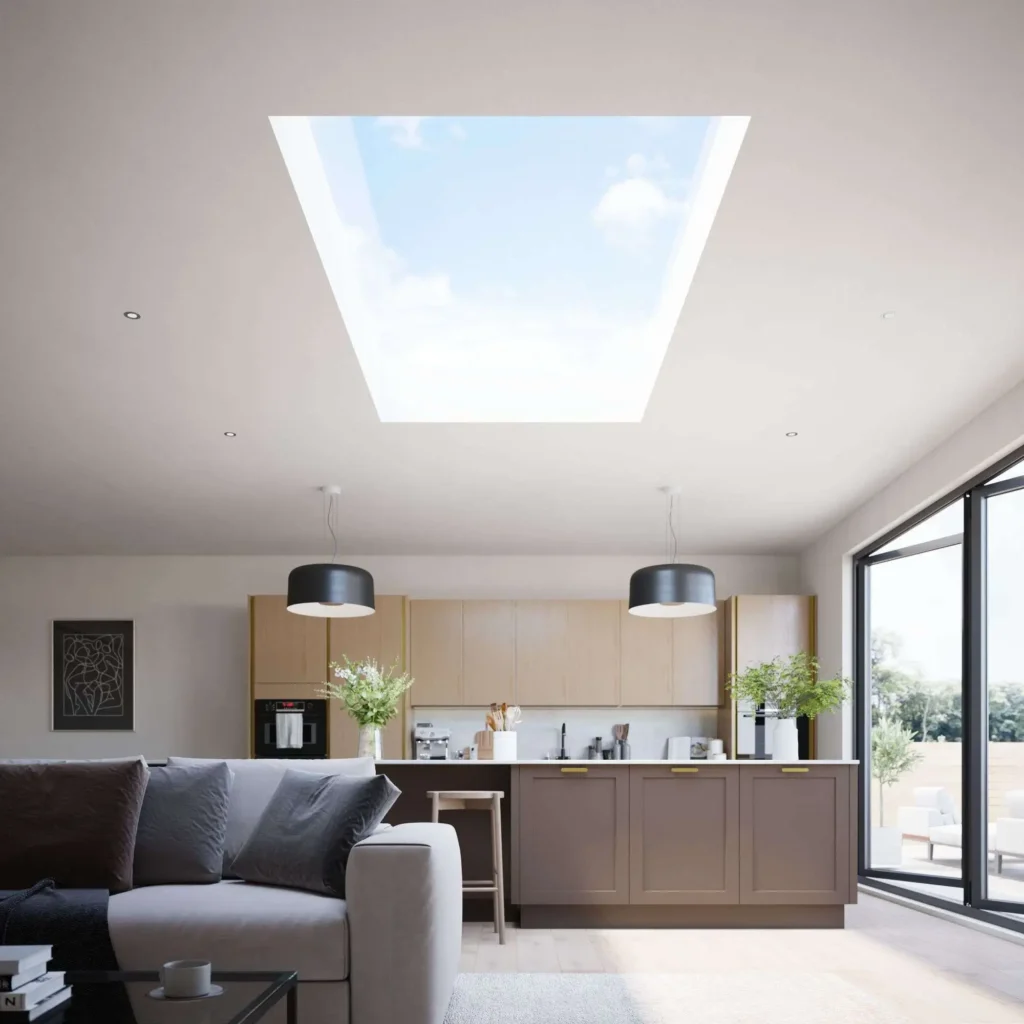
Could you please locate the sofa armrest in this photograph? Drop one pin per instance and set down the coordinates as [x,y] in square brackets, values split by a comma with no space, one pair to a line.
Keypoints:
[1009,837]
[916,821]
[404,892]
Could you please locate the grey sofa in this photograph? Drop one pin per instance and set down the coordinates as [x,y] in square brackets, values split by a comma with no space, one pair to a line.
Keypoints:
[388,953]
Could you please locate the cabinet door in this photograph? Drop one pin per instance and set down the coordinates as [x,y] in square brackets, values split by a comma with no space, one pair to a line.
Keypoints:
[573,835]
[541,628]
[795,834]
[488,652]
[684,824]
[646,659]
[770,625]
[695,661]
[435,652]
[286,648]
[378,636]
[592,653]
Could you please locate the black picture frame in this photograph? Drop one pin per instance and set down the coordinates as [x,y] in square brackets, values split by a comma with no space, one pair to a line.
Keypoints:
[93,685]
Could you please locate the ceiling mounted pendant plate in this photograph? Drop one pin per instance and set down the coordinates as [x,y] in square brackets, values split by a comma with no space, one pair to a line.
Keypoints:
[328,590]
[671,590]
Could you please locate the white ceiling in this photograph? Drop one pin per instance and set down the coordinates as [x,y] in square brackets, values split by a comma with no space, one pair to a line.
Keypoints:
[881,171]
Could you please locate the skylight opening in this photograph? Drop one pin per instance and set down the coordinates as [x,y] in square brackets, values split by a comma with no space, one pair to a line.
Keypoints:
[503,269]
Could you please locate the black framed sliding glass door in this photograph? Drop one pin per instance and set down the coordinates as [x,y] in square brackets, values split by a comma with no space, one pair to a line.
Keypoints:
[939,667]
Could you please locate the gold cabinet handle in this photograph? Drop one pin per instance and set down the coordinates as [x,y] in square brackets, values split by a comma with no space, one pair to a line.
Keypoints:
[575,771]
[794,770]
[687,770]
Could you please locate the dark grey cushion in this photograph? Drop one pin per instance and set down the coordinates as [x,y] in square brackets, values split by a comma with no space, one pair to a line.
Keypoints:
[181,829]
[309,828]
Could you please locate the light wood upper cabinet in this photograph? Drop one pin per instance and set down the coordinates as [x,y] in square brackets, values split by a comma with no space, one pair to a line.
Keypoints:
[286,648]
[646,659]
[593,670]
[541,630]
[378,636]
[771,625]
[488,652]
[695,675]
[435,652]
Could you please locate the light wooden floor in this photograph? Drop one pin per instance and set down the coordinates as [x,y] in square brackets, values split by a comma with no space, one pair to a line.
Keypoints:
[929,970]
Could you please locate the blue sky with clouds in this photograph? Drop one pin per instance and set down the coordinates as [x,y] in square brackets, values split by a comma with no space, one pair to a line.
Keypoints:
[510,269]
[548,211]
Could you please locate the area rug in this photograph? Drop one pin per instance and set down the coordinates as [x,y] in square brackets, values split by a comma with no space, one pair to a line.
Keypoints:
[741,997]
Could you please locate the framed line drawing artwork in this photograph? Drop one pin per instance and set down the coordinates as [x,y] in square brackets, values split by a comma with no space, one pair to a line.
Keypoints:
[93,675]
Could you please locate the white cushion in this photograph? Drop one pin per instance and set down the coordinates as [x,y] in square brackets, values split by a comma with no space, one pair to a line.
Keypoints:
[946,835]
[234,925]
[254,784]
[939,798]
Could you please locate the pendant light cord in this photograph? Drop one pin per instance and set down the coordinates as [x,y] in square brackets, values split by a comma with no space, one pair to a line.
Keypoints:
[331,513]
[672,526]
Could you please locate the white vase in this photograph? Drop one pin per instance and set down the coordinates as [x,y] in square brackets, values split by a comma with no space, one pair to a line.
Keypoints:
[505,746]
[369,741]
[785,740]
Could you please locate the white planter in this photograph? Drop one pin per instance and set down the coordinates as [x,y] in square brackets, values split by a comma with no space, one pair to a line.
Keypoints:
[505,746]
[785,740]
[369,742]
[886,847]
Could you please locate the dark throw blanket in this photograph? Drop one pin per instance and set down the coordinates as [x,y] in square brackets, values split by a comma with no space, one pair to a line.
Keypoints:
[74,922]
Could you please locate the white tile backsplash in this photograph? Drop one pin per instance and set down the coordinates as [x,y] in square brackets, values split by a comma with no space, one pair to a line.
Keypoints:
[540,730]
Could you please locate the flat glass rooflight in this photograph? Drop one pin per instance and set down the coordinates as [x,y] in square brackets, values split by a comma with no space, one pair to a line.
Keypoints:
[510,269]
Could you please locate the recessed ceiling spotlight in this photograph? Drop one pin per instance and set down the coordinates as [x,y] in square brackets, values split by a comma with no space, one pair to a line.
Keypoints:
[791,433]
[230,433]
[888,314]
[132,315]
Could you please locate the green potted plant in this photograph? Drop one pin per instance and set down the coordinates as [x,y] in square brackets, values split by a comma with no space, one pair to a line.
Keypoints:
[892,756]
[371,694]
[788,688]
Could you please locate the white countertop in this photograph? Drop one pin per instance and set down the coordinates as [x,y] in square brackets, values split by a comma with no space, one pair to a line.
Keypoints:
[617,764]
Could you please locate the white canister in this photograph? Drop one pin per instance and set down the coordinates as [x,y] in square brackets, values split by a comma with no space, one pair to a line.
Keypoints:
[505,745]
[785,740]
[715,747]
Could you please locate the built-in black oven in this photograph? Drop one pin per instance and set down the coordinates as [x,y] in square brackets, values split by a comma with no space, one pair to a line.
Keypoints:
[291,728]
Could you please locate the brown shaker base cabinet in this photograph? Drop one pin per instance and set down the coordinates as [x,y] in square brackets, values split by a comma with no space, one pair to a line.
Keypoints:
[685,835]
[573,835]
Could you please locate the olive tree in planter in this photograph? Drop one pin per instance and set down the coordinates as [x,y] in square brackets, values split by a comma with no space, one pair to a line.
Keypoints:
[892,756]
[788,688]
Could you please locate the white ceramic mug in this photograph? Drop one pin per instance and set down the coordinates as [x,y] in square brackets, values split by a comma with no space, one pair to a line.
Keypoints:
[185,979]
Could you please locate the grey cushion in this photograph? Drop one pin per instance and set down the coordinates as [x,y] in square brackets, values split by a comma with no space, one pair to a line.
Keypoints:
[309,828]
[181,829]
[254,784]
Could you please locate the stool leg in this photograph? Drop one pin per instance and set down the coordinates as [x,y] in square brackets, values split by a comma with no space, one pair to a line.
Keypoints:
[434,809]
[499,871]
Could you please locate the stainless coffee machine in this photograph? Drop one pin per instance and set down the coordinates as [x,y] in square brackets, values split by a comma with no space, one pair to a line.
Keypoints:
[430,743]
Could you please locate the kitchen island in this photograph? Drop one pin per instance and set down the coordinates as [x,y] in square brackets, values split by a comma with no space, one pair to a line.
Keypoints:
[651,843]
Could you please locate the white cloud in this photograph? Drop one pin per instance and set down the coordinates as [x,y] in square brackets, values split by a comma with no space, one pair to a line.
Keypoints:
[457,131]
[628,209]
[405,131]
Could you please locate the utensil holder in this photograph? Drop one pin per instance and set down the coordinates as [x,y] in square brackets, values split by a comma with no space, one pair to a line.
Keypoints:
[504,746]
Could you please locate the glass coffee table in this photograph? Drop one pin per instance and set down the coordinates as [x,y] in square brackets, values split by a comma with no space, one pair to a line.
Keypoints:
[98,997]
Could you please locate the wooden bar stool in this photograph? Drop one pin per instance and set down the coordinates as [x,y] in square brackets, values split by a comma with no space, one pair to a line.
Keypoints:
[479,800]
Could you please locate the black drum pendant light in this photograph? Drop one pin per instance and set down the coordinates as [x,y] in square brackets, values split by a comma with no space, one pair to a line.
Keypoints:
[328,590]
[674,589]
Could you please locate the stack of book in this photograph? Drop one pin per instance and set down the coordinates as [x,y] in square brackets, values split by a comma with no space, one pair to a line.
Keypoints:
[28,991]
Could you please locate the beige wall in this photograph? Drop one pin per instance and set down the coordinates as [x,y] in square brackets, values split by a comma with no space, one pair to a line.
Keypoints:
[826,564]
[191,630]
[940,766]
